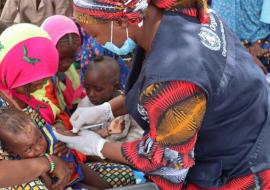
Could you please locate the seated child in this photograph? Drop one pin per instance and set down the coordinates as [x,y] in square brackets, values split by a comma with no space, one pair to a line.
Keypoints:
[63,91]
[102,84]
[23,139]
[65,36]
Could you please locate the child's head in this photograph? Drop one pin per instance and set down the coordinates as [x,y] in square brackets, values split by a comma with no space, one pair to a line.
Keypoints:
[67,47]
[24,46]
[20,135]
[102,79]
[65,36]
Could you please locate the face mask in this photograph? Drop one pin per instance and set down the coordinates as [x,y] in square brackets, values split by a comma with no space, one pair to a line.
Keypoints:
[126,48]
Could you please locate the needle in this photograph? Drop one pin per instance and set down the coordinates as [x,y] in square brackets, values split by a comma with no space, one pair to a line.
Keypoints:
[93,126]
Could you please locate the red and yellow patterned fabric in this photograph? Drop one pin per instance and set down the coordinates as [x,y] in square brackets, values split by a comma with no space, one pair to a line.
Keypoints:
[47,95]
[176,110]
[69,89]
[195,8]
[91,11]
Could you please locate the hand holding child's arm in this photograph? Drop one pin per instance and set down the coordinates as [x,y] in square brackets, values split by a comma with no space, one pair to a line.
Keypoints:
[46,179]
[60,148]
[87,142]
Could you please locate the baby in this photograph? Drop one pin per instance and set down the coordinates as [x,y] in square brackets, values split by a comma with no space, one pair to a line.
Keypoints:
[102,84]
[23,139]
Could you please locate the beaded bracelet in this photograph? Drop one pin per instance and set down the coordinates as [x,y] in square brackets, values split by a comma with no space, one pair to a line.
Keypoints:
[52,164]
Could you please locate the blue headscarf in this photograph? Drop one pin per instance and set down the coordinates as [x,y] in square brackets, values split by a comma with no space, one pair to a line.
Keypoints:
[243,17]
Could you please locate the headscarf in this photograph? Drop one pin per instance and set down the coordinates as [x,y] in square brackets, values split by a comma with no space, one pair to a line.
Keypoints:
[58,26]
[68,86]
[26,55]
[265,14]
[133,10]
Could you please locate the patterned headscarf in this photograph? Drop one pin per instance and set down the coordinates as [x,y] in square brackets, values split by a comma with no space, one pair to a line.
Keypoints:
[195,8]
[26,55]
[88,11]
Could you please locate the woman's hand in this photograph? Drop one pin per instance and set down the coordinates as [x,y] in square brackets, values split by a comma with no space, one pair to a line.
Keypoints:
[90,115]
[62,172]
[87,142]
[256,50]
[47,180]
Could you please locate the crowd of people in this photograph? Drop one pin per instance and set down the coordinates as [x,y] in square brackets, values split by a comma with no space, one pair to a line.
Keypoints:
[99,94]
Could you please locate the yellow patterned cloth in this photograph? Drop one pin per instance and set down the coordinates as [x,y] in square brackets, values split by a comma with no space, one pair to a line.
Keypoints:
[116,175]
[34,185]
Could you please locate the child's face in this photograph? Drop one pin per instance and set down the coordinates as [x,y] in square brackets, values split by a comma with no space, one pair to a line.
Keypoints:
[31,87]
[99,87]
[28,144]
[66,58]
[67,55]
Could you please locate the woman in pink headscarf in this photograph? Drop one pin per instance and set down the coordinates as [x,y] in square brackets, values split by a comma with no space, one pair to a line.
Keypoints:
[65,36]
[28,72]
[25,66]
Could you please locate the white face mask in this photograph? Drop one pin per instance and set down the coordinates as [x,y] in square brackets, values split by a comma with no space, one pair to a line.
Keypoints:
[128,46]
